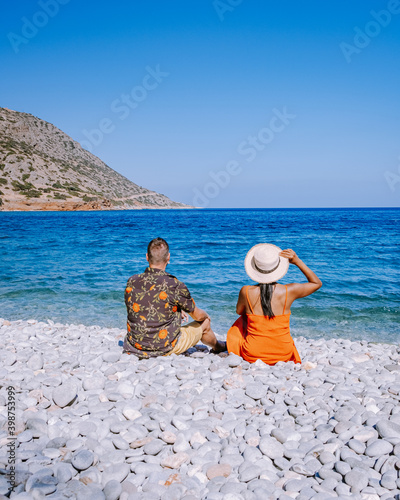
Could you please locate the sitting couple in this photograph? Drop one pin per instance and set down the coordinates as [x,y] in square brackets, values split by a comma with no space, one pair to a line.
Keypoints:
[157,302]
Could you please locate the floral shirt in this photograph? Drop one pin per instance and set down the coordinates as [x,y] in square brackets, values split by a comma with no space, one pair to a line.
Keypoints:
[154,301]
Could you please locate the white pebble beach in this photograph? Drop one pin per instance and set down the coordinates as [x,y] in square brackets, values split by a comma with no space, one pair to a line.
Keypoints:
[94,423]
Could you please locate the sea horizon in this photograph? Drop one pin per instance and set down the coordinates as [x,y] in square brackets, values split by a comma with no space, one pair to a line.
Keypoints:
[177,209]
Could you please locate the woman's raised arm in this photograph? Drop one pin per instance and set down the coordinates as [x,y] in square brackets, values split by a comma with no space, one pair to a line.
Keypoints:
[298,290]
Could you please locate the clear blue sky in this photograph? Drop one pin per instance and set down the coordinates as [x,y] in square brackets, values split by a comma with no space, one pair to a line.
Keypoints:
[226,71]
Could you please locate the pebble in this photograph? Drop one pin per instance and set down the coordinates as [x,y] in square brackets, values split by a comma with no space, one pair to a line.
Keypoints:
[25,436]
[294,485]
[378,448]
[131,413]
[342,468]
[326,457]
[115,471]
[256,391]
[120,443]
[233,360]
[357,479]
[63,472]
[45,486]
[357,446]
[94,383]
[64,394]
[249,473]
[112,490]
[175,461]
[112,356]
[74,444]
[219,470]
[271,448]
[181,443]
[82,459]
[95,423]
[388,429]
[168,437]
[35,362]
[153,447]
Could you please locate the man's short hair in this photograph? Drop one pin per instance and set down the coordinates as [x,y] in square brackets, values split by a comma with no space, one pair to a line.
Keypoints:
[157,251]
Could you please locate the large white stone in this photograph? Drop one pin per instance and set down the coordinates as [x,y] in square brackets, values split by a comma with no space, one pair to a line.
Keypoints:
[64,394]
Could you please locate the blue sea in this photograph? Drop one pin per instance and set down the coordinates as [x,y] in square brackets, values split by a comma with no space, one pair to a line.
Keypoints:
[72,267]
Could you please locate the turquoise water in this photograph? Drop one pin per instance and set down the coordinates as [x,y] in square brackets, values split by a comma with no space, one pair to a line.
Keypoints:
[72,267]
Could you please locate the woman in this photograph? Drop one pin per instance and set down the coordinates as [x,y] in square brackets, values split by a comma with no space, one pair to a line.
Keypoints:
[263,331]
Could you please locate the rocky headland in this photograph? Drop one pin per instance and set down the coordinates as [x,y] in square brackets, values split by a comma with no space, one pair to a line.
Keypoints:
[42,168]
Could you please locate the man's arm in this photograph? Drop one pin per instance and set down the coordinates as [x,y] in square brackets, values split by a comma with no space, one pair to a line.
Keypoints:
[199,315]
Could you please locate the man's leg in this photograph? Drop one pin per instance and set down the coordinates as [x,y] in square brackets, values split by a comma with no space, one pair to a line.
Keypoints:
[195,332]
[209,338]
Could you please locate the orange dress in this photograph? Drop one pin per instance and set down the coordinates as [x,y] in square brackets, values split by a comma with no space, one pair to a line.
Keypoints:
[266,339]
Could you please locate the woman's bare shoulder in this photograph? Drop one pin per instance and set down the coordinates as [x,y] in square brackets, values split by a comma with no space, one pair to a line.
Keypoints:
[279,289]
[242,291]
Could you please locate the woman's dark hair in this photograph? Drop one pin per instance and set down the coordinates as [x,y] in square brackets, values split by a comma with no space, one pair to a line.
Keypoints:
[266,291]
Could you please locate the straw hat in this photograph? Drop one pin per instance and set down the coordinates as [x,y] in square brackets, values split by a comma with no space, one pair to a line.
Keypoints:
[263,263]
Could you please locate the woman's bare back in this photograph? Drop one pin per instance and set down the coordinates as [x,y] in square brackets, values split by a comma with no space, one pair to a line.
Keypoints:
[277,301]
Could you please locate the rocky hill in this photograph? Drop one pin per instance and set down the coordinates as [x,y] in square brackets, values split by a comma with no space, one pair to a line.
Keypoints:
[42,168]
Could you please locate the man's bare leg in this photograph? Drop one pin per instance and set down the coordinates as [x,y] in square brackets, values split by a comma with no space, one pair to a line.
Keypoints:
[210,339]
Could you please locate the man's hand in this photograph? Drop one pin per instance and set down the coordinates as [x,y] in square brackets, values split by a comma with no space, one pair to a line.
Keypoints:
[184,316]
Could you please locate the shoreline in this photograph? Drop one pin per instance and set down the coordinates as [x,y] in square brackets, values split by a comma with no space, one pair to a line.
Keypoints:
[93,422]
[113,209]
[296,338]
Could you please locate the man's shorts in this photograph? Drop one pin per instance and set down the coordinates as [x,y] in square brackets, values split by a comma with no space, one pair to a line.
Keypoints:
[190,335]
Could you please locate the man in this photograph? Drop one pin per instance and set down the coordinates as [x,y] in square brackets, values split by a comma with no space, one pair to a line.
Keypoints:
[156,303]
